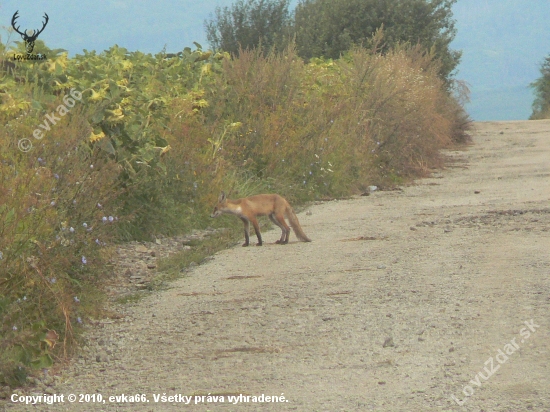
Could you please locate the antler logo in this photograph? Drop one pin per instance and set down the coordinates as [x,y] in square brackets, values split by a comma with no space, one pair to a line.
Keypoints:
[28,38]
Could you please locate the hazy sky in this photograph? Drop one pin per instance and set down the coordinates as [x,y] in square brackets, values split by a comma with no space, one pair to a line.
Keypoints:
[503,41]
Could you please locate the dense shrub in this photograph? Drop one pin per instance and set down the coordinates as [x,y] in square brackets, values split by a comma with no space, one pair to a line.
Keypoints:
[332,126]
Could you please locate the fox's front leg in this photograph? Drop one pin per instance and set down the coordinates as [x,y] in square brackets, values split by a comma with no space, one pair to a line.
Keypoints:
[246,231]
[257,230]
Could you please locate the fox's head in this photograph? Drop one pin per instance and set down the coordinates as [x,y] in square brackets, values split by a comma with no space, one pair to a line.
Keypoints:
[220,206]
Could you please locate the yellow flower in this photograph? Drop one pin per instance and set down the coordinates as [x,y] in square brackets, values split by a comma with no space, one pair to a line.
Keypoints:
[116,115]
[206,69]
[203,56]
[97,96]
[62,61]
[127,65]
[201,103]
[221,56]
[95,137]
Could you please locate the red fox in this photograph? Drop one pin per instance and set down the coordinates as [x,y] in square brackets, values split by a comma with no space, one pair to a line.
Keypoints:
[248,208]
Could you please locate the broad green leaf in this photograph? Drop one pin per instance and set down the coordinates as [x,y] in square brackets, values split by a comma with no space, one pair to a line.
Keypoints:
[44,361]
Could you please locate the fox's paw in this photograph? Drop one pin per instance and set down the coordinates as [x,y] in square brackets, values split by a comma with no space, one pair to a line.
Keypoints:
[245,244]
[258,244]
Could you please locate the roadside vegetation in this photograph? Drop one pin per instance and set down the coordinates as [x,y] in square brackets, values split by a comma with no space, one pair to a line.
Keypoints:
[131,146]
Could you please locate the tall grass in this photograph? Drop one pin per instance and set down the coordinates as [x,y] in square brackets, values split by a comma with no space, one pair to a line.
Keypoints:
[328,128]
[57,210]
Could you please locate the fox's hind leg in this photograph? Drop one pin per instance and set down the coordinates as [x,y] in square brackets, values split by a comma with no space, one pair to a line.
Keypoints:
[276,222]
[279,220]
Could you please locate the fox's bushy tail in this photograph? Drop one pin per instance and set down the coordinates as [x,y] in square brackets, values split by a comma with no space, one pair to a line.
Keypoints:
[293,219]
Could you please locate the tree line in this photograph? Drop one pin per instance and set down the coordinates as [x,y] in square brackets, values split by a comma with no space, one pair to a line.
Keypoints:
[541,87]
[329,28]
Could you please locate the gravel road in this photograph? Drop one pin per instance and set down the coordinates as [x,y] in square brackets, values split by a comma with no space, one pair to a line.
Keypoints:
[421,299]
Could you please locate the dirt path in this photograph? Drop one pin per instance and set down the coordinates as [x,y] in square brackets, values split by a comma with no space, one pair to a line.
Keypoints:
[398,304]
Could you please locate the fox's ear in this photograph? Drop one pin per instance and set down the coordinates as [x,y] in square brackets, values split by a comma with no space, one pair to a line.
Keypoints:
[222,197]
